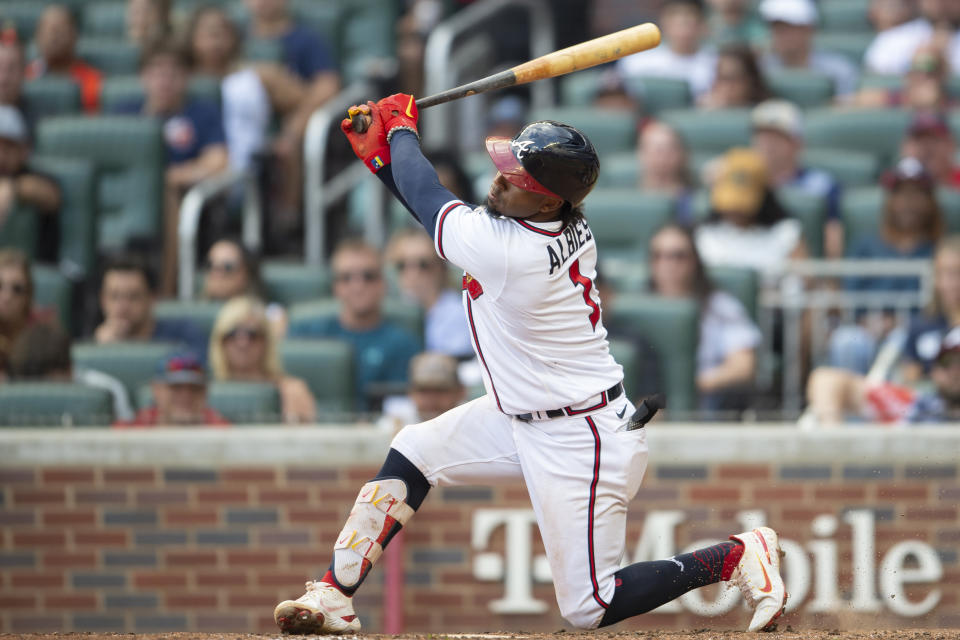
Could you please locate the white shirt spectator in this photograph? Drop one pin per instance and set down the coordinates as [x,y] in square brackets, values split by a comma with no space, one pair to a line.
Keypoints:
[762,248]
[445,326]
[725,327]
[892,50]
[697,69]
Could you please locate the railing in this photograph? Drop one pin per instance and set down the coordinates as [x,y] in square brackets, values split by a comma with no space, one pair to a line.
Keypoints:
[797,295]
[191,209]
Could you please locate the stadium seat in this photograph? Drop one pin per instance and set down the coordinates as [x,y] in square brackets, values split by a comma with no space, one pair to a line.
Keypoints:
[861,211]
[54,404]
[622,220]
[119,90]
[954,121]
[109,55]
[845,16]
[714,131]
[128,158]
[51,289]
[802,87]
[325,17]
[739,282]
[876,131]
[202,313]
[577,89]
[77,212]
[609,131]
[850,168]
[105,19]
[618,170]
[132,363]
[811,210]
[21,229]
[405,314]
[657,94]
[625,353]
[291,282]
[245,402]
[24,15]
[949,200]
[852,44]
[889,82]
[671,325]
[51,96]
[327,368]
[257,50]
[366,33]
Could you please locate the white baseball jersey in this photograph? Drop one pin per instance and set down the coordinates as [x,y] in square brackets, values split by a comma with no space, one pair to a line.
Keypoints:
[532,307]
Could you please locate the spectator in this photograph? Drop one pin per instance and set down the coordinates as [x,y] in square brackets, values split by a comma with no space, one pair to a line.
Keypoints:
[887,14]
[232,270]
[726,351]
[42,352]
[250,93]
[193,136]
[930,140]
[147,21]
[21,186]
[733,21]
[612,94]
[778,138]
[747,226]
[434,389]
[243,348]
[127,294]
[683,54]
[924,85]
[382,350]
[792,24]
[835,394]
[662,158]
[423,278]
[737,82]
[12,74]
[56,42]
[16,298]
[179,397]
[926,331]
[507,117]
[892,50]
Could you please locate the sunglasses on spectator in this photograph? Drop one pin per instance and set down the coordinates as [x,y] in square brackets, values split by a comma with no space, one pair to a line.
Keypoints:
[18,288]
[226,267]
[367,275]
[673,256]
[244,332]
[423,264]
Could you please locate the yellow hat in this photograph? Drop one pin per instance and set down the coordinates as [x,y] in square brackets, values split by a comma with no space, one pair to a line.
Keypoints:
[741,183]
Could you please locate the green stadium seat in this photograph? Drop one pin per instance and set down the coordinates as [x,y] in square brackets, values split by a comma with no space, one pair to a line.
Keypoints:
[852,44]
[109,55]
[850,168]
[202,313]
[577,89]
[622,220]
[54,404]
[24,15]
[714,131]
[291,282]
[740,282]
[658,94]
[845,16]
[625,353]
[672,326]
[105,19]
[128,157]
[954,120]
[625,274]
[949,200]
[881,81]
[53,290]
[51,96]
[366,33]
[132,363]
[861,210]
[118,90]
[618,170]
[245,402]
[77,216]
[609,131]
[21,229]
[257,50]
[407,315]
[325,17]
[802,87]
[876,131]
[327,368]
[811,210]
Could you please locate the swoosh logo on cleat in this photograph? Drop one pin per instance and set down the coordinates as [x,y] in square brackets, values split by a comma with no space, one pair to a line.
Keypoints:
[768,587]
[622,411]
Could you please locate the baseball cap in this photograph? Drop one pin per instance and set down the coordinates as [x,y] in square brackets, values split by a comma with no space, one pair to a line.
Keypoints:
[796,12]
[950,343]
[778,115]
[435,371]
[12,126]
[929,123]
[182,368]
[908,169]
[741,182]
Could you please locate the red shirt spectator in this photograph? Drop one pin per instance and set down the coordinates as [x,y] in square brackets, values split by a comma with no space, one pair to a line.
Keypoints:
[56,40]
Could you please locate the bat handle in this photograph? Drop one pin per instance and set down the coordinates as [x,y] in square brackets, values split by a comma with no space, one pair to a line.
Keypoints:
[359,121]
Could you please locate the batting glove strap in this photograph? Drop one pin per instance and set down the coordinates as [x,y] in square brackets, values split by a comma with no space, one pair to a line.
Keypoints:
[401,128]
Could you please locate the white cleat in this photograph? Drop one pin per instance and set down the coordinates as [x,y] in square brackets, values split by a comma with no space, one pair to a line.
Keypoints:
[323,609]
[758,576]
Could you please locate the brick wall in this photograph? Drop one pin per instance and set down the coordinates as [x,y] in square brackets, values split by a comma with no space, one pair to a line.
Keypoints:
[161,546]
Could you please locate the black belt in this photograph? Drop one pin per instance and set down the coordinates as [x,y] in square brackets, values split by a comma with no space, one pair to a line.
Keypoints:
[609,395]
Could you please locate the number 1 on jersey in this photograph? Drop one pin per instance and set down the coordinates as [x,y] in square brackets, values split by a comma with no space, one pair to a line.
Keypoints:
[579,279]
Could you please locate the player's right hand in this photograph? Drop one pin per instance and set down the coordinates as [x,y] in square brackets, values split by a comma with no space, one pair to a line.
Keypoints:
[370,145]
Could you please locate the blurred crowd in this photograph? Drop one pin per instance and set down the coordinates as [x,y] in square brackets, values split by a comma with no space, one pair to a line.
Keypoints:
[727,123]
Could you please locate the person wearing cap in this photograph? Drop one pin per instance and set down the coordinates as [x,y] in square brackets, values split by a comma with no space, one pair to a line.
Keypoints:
[892,50]
[179,397]
[792,24]
[435,387]
[778,137]
[930,140]
[56,41]
[836,395]
[684,53]
[747,225]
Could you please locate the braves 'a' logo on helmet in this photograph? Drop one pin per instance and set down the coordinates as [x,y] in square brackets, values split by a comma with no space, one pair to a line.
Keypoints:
[520,148]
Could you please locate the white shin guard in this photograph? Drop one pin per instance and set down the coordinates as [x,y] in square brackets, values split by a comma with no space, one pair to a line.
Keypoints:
[380,504]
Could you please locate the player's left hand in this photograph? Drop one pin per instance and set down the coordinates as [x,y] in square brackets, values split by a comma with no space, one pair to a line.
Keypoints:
[370,145]
[399,111]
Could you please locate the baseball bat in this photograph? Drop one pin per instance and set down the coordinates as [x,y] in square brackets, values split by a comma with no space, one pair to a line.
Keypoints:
[612,46]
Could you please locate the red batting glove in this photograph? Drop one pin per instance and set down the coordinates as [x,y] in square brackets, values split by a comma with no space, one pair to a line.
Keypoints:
[370,146]
[398,111]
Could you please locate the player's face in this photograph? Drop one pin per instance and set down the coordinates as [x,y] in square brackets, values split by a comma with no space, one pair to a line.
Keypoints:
[671,263]
[509,200]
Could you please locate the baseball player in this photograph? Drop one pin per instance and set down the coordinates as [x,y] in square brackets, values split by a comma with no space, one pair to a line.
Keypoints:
[554,415]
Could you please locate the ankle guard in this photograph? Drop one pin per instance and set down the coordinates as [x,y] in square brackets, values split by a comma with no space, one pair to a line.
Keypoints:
[380,506]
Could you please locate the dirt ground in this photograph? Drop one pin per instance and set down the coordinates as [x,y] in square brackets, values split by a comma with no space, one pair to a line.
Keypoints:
[697,634]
